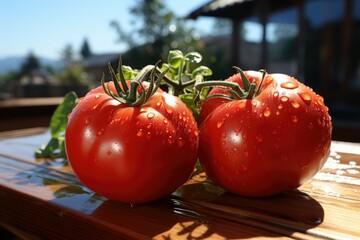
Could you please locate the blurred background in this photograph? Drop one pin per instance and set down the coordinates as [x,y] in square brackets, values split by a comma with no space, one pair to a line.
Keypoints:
[49,48]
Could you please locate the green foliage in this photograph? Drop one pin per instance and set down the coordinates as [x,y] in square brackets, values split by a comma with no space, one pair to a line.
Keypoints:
[85,49]
[55,148]
[156,30]
[30,64]
[72,74]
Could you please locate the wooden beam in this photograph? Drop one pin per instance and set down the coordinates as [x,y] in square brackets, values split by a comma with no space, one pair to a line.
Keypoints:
[235,43]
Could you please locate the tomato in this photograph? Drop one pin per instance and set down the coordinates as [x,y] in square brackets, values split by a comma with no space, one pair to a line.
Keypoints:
[274,141]
[131,154]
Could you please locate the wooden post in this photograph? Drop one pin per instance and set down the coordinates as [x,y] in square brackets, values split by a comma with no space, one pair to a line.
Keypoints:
[263,15]
[235,42]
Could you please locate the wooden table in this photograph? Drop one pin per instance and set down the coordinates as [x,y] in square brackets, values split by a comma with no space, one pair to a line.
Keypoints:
[44,200]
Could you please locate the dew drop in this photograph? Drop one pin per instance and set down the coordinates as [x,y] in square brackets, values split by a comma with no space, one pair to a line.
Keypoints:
[220,123]
[97,96]
[267,112]
[259,138]
[280,106]
[169,109]
[284,99]
[295,104]
[140,133]
[150,115]
[87,121]
[100,132]
[196,133]
[289,85]
[165,121]
[284,157]
[277,113]
[180,142]
[276,94]
[294,119]
[305,96]
[254,103]
[170,140]
[243,167]
[158,104]
[108,153]
[311,126]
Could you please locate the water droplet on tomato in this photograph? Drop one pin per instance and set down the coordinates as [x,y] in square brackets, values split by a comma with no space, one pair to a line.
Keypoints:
[220,123]
[100,132]
[169,109]
[140,133]
[196,133]
[97,96]
[158,104]
[284,99]
[295,104]
[180,142]
[108,153]
[289,85]
[267,112]
[243,167]
[87,121]
[277,112]
[254,103]
[280,106]
[276,94]
[311,126]
[259,138]
[305,96]
[294,119]
[165,121]
[284,157]
[150,115]
[170,140]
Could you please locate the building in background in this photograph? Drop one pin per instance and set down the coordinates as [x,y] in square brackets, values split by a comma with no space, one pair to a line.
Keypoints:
[317,41]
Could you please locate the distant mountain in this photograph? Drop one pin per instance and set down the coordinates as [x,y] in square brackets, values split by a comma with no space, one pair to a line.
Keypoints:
[14,63]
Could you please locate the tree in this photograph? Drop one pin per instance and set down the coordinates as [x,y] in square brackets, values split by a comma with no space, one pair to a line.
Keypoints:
[67,56]
[30,64]
[85,49]
[156,30]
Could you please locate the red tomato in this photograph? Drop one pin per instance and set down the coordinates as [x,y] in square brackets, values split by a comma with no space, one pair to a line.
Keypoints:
[271,143]
[131,154]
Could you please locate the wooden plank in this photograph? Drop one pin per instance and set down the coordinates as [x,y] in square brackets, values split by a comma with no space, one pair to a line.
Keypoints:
[47,200]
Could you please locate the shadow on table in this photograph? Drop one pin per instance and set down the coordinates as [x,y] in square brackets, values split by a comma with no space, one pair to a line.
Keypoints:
[196,210]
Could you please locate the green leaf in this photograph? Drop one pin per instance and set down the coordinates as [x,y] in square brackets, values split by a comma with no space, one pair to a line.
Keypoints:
[188,99]
[128,72]
[175,58]
[202,70]
[60,117]
[193,57]
[48,149]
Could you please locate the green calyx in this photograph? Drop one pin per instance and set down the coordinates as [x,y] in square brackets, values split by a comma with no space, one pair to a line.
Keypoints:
[129,95]
[249,91]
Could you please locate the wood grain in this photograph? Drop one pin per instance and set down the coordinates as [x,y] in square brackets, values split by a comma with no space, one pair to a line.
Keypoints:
[44,200]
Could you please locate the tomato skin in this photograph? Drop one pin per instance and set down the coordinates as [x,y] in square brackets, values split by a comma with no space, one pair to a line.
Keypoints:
[132,154]
[266,145]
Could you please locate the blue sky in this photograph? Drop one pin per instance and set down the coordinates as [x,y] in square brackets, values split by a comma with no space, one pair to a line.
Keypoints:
[46,27]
